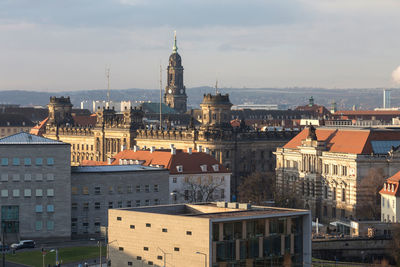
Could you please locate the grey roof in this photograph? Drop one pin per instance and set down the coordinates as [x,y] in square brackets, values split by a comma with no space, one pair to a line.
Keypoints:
[23,138]
[114,168]
[383,147]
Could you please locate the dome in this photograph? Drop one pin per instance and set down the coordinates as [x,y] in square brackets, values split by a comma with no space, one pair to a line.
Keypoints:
[219,99]
[175,60]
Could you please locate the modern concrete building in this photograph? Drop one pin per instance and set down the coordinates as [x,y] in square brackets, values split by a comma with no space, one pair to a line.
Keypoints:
[390,199]
[95,189]
[325,167]
[209,234]
[35,188]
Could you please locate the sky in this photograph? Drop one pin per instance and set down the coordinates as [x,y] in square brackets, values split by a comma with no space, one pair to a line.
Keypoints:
[58,45]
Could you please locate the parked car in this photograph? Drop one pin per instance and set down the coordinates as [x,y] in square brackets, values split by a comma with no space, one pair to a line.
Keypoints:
[23,244]
[5,247]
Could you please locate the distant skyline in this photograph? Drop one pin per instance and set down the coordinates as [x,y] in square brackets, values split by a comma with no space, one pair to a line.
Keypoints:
[58,45]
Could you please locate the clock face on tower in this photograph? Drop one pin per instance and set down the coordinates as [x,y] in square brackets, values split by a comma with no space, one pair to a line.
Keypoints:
[169,91]
[181,91]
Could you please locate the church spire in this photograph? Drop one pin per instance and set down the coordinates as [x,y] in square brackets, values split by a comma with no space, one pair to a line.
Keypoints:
[175,47]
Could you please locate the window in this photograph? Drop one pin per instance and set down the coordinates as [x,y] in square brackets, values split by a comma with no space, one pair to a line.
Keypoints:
[74,190]
[179,168]
[129,203]
[164,230]
[39,161]
[334,212]
[39,225]
[129,189]
[147,202]
[27,193]
[4,177]
[222,193]
[85,190]
[119,204]
[344,194]
[334,193]
[129,263]
[215,167]
[326,168]
[74,206]
[119,219]
[4,193]
[50,208]
[110,205]
[132,226]
[148,224]
[16,162]
[176,249]
[97,191]
[155,188]
[325,211]
[39,177]
[335,169]
[325,192]
[138,258]
[16,177]
[138,203]
[188,232]
[39,208]
[121,249]
[156,201]
[344,170]
[159,257]
[138,189]
[50,177]
[15,192]
[150,263]
[97,205]
[27,161]
[4,161]
[147,188]
[146,248]
[50,161]
[50,192]
[111,190]
[27,177]
[203,168]
[120,190]
[383,202]
[86,206]
[50,225]
[174,180]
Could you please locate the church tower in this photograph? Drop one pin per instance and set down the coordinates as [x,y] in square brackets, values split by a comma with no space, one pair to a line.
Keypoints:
[175,92]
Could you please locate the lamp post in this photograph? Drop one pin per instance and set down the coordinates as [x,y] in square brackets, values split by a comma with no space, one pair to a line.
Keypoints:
[205,257]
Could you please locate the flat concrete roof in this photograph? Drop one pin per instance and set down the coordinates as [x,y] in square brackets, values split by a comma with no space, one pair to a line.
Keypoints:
[114,168]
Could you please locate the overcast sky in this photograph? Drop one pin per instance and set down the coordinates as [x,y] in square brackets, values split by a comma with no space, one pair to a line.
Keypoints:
[65,44]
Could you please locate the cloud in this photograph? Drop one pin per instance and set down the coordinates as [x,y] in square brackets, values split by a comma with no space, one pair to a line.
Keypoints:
[396,76]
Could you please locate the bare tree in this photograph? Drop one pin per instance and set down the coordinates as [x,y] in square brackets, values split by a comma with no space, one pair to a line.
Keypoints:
[395,250]
[368,198]
[202,189]
[257,188]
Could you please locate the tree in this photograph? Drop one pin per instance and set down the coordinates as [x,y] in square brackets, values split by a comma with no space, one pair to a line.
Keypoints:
[395,250]
[257,188]
[202,189]
[368,198]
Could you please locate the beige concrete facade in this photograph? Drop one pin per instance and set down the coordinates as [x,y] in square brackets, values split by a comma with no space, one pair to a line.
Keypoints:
[203,235]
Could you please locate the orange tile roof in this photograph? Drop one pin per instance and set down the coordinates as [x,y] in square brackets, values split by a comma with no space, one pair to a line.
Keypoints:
[391,186]
[87,162]
[190,162]
[353,141]
[39,129]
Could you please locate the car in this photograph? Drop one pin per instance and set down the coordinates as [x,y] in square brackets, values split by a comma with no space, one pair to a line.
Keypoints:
[23,244]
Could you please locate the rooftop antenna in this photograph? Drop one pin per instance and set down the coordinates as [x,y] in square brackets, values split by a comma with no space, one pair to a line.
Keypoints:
[160,96]
[108,84]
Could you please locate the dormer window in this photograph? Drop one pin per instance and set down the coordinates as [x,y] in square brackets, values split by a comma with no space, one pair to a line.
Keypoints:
[385,186]
[215,167]
[203,168]
[179,168]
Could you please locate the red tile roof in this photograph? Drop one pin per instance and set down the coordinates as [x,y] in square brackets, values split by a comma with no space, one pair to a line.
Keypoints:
[391,186]
[353,141]
[85,120]
[39,129]
[190,162]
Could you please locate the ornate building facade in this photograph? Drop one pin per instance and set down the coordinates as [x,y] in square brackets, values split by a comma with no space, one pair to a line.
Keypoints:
[325,167]
[175,92]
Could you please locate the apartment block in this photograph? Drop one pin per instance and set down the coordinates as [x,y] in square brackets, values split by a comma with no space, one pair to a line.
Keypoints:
[209,234]
[35,188]
[95,189]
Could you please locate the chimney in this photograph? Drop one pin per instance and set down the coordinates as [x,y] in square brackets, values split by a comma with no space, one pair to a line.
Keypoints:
[109,161]
[136,148]
[189,150]
[152,149]
[171,146]
[122,147]
[144,147]
[199,148]
[173,151]
[206,150]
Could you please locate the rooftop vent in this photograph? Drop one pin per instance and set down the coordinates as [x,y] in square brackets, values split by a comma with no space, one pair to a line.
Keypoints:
[152,149]
[173,151]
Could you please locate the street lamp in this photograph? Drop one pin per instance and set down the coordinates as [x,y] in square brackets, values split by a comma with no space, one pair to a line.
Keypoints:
[205,257]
